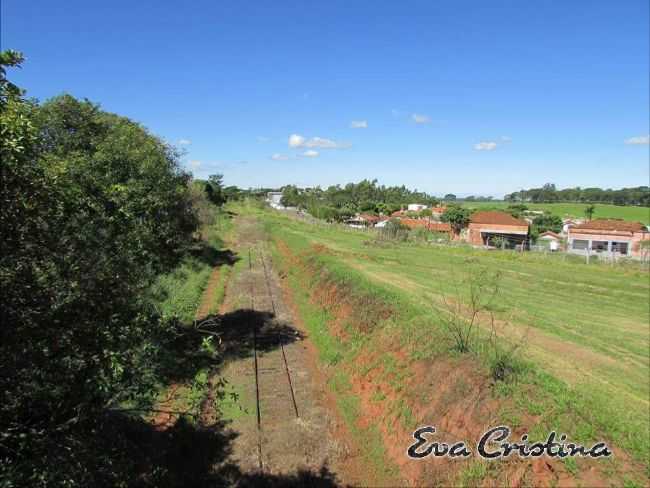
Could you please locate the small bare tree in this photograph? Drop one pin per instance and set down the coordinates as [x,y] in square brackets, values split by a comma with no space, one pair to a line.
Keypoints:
[470,306]
[461,312]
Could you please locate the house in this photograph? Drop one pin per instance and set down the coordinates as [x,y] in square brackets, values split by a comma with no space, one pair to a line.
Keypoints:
[415,207]
[382,222]
[487,225]
[436,212]
[567,223]
[369,219]
[274,198]
[612,237]
[360,221]
[550,240]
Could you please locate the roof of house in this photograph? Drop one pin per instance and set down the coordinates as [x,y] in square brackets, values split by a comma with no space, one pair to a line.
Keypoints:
[615,225]
[495,217]
[438,210]
[433,226]
[549,233]
[396,213]
[369,217]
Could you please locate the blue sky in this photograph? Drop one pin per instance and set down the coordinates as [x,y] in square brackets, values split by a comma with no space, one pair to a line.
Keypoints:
[470,97]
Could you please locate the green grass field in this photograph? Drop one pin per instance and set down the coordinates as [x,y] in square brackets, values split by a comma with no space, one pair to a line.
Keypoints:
[577,210]
[179,292]
[587,324]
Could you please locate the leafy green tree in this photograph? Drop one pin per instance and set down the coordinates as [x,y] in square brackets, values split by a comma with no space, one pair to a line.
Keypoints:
[547,222]
[232,193]
[456,216]
[93,207]
[382,208]
[589,211]
[449,197]
[214,190]
[517,209]
[292,197]
[9,91]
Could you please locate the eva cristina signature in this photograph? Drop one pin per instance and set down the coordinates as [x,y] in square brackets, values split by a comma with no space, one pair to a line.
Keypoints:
[495,444]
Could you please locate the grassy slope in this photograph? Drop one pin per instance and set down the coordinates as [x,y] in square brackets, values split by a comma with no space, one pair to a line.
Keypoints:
[603,211]
[591,322]
[179,294]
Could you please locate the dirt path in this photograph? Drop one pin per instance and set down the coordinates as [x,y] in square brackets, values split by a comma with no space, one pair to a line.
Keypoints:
[283,428]
[207,300]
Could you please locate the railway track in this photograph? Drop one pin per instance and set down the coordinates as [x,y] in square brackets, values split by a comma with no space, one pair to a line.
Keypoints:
[275,397]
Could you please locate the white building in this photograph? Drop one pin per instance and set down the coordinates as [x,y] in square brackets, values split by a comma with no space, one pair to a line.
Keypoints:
[274,199]
[550,240]
[415,207]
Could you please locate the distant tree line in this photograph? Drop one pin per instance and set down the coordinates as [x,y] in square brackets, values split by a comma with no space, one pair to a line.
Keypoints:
[340,202]
[548,193]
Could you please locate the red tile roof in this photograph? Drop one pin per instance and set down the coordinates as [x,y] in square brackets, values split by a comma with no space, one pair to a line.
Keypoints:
[611,225]
[369,218]
[495,217]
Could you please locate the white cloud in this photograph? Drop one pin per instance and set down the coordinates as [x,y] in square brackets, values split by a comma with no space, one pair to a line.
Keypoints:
[325,143]
[485,146]
[359,124]
[420,119]
[296,141]
[263,139]
[195,164]
[638,140]
[310,153]
[506,139]
[184,142]
[279,157]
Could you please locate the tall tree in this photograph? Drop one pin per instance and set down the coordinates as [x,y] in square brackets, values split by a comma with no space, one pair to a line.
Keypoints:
[215,190]
[456,216]
[92,208]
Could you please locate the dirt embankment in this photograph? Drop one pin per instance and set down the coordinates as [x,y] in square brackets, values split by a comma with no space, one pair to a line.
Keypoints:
[398,393]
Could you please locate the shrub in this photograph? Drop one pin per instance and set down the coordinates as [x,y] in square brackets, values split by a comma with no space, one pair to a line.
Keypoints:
[93,207]
[461,312]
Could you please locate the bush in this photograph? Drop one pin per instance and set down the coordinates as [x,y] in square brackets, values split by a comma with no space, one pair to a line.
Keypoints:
[503,355]
[419,234]
[93,207]
[460,313]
